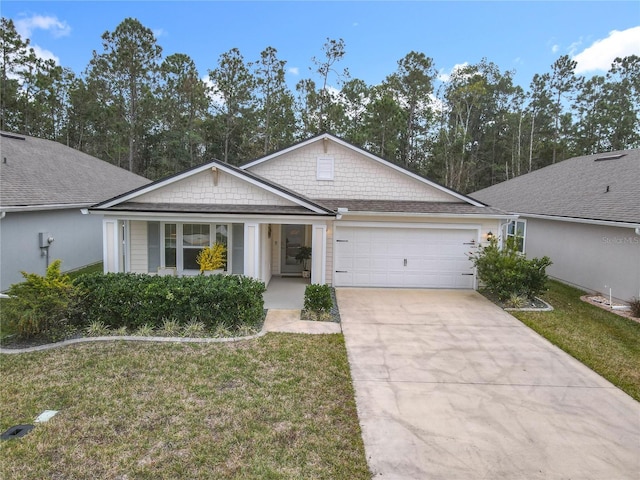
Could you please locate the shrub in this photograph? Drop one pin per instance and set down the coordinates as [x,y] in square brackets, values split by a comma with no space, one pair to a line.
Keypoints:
[317,298]
[42,305]
[634,303]
[133,300]
[505,272]
[97,329]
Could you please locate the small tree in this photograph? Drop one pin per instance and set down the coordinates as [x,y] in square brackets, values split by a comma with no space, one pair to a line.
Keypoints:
[505,272]
[303,256]
[42,305]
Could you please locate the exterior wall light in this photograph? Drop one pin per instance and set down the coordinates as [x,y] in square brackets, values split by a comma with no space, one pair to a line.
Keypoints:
[490,236]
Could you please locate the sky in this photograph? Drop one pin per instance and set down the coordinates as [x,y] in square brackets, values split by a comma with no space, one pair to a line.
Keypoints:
[526,37]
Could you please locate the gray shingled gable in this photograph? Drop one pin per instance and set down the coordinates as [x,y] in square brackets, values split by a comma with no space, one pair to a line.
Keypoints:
[581,187]
[41,172]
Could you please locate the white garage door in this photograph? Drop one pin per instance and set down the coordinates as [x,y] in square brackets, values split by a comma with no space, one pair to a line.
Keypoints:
[404,257]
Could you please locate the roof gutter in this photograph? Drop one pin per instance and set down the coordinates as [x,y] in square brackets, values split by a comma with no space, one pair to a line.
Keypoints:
[53,206]
[353,213]
[589,221]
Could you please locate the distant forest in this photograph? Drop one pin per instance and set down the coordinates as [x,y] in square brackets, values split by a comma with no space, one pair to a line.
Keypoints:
[155,115]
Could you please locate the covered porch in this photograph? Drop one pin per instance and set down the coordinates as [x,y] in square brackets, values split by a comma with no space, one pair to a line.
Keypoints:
[256,247]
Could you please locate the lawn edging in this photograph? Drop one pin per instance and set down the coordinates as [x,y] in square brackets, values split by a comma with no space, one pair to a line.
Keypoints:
[130,338]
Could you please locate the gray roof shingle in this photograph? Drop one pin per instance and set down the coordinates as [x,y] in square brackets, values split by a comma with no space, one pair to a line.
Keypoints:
[403,206]
[38,172]
[604,186]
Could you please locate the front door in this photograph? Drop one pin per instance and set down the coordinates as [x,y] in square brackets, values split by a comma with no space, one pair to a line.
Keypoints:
[291,240]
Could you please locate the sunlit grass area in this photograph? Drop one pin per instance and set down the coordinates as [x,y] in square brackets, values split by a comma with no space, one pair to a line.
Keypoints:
[281,406]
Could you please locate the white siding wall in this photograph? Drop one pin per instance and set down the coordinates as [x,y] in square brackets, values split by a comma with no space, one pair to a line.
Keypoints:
[355,176]
[200,189]
[138,249]
[592,257]
[329,258]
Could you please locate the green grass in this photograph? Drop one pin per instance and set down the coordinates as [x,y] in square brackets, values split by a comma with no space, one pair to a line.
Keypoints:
[96,267]
[607,343]
[278,407]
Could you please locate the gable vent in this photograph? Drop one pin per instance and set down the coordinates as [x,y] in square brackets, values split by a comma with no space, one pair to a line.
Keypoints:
[610,157]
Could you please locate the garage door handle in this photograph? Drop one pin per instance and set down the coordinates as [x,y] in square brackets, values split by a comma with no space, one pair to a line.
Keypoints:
[468,274]
[342,271]
[346,241]
[405,262]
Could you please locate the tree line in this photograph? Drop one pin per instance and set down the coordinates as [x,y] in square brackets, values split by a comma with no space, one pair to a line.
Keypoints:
[155,116]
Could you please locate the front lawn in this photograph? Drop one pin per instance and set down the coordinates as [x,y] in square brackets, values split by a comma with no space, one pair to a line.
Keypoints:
[607,343]
[281,406]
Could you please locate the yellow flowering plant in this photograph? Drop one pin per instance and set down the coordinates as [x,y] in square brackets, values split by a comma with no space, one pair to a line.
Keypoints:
[212,258]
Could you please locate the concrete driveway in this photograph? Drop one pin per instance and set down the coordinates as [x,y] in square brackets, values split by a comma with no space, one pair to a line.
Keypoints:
[448,386]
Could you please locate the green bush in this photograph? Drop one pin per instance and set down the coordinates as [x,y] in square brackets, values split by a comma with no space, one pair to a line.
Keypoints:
[505,272]
[634,303]
[42,306]
[134,300]
[317,298]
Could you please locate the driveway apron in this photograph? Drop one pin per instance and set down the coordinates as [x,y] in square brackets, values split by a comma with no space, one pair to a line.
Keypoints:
[449,386]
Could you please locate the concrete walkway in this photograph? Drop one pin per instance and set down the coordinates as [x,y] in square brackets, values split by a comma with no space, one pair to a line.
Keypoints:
[448,386]
[288,321]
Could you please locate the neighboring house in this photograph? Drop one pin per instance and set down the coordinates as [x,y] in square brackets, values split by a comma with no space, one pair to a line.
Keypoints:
[369,222]
[43,187]
[584,213]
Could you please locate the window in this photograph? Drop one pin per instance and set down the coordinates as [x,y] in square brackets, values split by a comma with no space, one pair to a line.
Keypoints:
[195,237]
[516,232]
[182,242]
[170,245]
[324,168]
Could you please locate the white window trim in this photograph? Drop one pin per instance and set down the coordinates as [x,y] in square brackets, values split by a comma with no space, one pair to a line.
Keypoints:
[179,246]
[515,229]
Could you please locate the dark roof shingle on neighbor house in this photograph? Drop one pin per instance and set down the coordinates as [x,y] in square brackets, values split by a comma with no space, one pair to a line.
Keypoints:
[603,187]
[36,172]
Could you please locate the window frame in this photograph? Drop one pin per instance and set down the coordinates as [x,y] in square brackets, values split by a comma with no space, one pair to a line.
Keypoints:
[513,233]
[179,244]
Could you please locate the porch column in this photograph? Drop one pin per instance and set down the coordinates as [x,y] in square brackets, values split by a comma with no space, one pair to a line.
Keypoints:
[252,250]
[110,246]
[319,253]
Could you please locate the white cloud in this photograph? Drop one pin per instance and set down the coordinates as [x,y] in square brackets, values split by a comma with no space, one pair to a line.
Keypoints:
[573,48]
[160,32]
[294,71]
[45,54]
[445,76]
[212,92]
[57,28]
[601,53]
[555,48]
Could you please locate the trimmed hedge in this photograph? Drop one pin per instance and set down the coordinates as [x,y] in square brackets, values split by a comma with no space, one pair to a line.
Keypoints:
[133,300]
[317,298]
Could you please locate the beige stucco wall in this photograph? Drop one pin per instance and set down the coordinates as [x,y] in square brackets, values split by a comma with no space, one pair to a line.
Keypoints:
[355,176]
[200,188]
[592,257]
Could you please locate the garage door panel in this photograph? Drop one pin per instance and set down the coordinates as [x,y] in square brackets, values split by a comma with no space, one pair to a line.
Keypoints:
[435,258]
